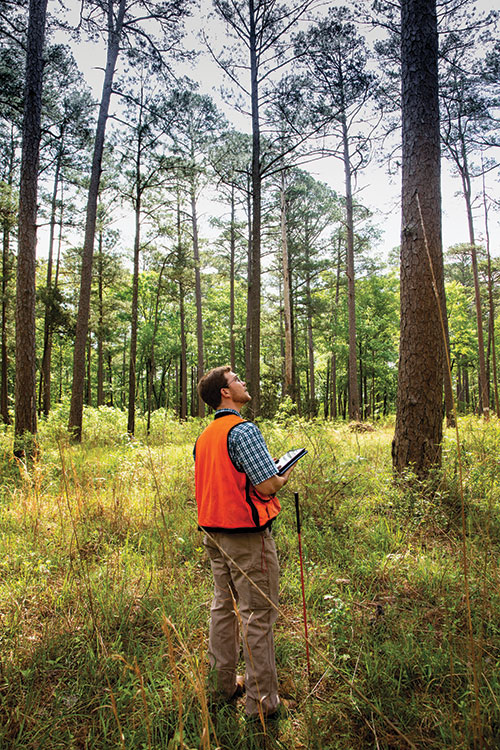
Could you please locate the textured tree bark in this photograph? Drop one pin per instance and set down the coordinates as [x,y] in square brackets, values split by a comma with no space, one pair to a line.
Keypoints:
[418,432]
[26,421]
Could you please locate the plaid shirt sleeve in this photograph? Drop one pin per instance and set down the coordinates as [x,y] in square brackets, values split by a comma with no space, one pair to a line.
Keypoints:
[248,452]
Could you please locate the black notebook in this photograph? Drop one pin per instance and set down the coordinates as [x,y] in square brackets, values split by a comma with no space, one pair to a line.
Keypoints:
[288,459]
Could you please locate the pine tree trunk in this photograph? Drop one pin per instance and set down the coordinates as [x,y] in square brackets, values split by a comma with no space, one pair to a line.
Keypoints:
[253,311]
[132,386]
[232,265]
[183,361]
[248,326]
[482,379]
[100,328]
[491,310]
[110,380]
[76,409]
[287,307]
[26,420]
[88,394]
[152,363]
[47,329]
[7,226]
[351,290]
[310,341]
[182,375]
[4,377]
[4,407]
[333,390]
[197,293]
[418,432]
[448,384]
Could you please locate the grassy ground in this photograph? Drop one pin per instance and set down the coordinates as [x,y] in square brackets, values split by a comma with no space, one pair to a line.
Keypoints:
[105,594]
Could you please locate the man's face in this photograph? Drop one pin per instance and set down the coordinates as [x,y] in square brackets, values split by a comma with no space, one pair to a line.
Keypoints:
[237,388]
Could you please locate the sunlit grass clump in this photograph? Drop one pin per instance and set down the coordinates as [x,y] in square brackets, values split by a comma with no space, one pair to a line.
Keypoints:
[105,593]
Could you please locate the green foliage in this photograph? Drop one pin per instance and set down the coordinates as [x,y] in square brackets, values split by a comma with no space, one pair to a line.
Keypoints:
[105,591]
[463,346]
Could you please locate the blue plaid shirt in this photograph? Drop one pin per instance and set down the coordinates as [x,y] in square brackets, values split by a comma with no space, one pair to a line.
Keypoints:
[248,451]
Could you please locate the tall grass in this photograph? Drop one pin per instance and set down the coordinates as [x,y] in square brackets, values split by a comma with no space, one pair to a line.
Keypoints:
[105,593]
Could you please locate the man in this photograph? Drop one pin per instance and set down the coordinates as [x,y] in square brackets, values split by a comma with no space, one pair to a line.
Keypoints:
[236,482]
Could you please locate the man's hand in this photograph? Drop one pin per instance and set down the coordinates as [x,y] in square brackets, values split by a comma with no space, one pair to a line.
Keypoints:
[273,484]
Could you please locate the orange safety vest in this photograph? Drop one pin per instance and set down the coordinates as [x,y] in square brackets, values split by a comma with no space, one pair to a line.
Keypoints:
[226,499]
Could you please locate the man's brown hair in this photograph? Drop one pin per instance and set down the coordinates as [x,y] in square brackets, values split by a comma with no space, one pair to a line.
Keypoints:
[211,383]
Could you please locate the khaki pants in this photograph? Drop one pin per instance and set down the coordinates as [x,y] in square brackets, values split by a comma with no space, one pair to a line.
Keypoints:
[256,555]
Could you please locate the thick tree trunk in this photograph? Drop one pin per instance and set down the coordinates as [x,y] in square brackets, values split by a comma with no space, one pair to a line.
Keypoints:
[418,432]
[76,409]
[26,421]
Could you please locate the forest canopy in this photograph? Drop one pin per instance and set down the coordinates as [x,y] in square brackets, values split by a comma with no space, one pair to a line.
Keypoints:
[169,241]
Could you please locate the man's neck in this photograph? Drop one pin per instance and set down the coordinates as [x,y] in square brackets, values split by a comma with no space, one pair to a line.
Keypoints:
[230,405]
